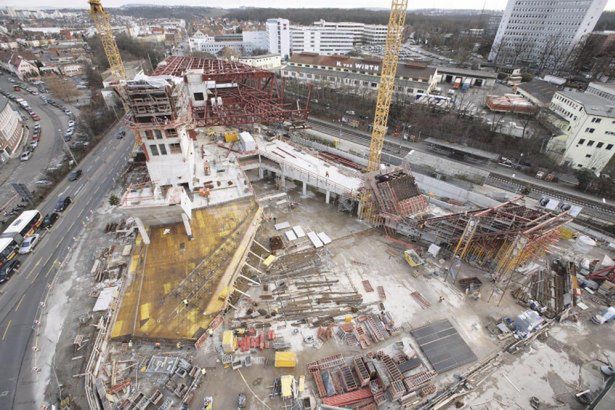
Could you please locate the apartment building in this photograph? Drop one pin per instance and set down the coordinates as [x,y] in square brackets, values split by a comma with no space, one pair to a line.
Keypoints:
[359,75]
[541,33]
[587,120]
[11,130]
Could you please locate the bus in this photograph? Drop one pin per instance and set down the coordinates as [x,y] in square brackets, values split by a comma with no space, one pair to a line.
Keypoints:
[25,225]
[9,247]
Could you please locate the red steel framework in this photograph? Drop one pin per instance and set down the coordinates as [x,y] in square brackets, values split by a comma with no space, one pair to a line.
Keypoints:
[255,96]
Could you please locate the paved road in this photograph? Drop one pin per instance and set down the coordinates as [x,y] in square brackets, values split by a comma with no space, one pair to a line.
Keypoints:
[49,147]
[22,294]
[396,146]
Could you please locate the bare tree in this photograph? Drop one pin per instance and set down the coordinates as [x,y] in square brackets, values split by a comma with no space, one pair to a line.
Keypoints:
[62,88]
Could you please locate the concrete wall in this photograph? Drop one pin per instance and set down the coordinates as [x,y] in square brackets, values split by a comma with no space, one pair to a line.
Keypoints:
[440,188]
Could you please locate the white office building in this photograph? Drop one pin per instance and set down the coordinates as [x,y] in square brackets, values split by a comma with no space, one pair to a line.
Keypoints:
[542,33]
[330,38]
[278,34]
[244,43]
[587,120]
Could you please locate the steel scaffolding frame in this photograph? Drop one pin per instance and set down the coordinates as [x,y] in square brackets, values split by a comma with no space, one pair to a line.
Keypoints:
[252,95]
[498,239]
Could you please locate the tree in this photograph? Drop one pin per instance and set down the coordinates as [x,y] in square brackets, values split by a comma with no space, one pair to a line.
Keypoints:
[93,76]
[114,200]
[62,88]
[228,53]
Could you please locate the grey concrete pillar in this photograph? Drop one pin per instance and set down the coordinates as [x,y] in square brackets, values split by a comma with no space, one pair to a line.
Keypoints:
[187,225]
[304,188]
[261,173]
[327,196]
[142,231]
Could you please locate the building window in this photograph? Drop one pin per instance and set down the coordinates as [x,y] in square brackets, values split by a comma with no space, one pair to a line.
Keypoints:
[581,141]
[154,150]
[171,133]
[199,97]
[590,130]
[149,135]
[163,149]
[158,134]
[609,146]
[599,145]
[590,143]
[596,120]
[175,148]
[588,156]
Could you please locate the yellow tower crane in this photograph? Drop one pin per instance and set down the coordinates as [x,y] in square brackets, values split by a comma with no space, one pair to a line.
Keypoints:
[101,21]
[395,31]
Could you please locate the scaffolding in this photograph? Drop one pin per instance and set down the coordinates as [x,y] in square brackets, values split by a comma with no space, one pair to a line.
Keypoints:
[249,95]
[395,196]
[499,239]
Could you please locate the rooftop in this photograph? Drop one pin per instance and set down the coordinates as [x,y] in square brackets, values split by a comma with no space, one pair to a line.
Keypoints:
[470,73]
[593,104]
[370,65]
[468,150]
[541,90]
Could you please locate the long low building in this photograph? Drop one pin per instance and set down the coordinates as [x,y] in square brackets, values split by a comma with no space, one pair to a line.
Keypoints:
[359,74]
[474,78]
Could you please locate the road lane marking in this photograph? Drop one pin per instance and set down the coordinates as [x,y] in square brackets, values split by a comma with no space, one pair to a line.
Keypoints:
[19,303]
[33,268]
[6,330]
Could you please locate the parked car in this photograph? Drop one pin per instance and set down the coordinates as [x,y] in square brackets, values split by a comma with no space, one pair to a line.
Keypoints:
[75,175]
[50,219]
[34,143]
[8,269]
[29,244]
[120,134]
[26,155]
[71,123]
[62,204]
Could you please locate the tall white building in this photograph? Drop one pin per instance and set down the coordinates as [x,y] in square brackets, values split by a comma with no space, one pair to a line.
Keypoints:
[542,33]
[587,120]
[278,33]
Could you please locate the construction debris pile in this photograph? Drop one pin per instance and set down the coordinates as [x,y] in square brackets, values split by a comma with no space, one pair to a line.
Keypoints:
[548,291]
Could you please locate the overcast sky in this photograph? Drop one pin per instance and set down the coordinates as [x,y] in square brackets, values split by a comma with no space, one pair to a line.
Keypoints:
[414,4]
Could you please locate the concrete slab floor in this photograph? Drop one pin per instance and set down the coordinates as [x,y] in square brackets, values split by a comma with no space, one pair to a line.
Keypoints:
[549,369]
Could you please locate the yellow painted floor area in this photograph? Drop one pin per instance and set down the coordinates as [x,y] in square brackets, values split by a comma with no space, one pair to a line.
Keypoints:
[174,277]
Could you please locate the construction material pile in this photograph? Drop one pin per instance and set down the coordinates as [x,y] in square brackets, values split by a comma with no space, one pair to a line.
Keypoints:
[368,330]
[300,287]
[372,379]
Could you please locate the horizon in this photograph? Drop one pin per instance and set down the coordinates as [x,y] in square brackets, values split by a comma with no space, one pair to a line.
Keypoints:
[495,5]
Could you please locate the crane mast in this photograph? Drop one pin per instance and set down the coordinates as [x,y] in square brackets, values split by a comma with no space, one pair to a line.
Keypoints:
[386,86]
[395,30]
[103,26]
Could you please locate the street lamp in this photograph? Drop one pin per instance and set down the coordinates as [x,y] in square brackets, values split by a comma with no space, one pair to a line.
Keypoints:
[67,147]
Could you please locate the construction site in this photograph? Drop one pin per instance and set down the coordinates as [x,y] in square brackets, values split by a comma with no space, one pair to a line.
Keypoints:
[242,268]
